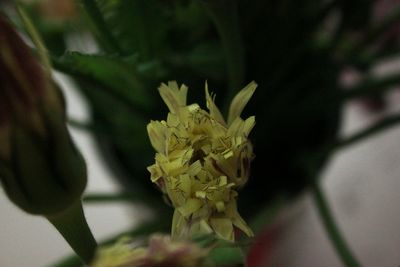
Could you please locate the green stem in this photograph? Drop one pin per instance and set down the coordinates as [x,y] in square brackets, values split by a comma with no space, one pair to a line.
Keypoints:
[384,124]
[144,229]
[224,13]
[366,59]
[371,87]
[36,39]
[331,228]
[73,227]
[106,197]
[136,197]
[80,125]
[380,126]
[101,26]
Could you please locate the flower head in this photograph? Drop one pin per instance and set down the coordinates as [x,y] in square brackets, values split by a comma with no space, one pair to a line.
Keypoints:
[202,161]
[161,251]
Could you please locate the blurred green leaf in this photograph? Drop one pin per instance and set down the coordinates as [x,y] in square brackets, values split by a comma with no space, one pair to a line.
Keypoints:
[118,77]
[206,60]
[138,24]
[224,256]
[100,25]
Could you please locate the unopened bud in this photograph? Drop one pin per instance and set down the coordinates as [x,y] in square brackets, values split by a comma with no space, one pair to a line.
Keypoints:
[40,169]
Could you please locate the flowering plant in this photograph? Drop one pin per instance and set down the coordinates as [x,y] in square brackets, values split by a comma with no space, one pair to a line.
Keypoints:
[213,195]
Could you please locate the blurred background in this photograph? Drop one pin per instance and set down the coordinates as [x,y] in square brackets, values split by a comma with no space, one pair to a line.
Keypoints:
[326,70]
[362,183]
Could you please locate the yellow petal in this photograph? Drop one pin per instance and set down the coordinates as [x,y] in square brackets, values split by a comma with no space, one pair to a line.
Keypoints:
[174,97]
[231,212]
[191,206]
[249,124]
[158,135]
[200,228]
[227,153]
[185,184]
[200,194]
[214,111]
[220,206]
[241,128]
[240,101]
[194,168]
[174,167]
[223,180]
[223,228]
[155,172]
[178,225]
[119,254]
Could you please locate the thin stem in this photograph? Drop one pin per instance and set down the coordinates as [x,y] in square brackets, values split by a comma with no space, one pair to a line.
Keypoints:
[101,26]
[371,87]
[136,197]
[36,39]
[80,125]
[73,227]
[380,126]
[367,88]
[366,59]
[331,228]
[225,16]
[107,197]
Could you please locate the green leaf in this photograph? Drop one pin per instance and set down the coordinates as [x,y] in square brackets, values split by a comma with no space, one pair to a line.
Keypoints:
[118,77]
[227,256]
[205,59]
[138,24]
[102,28]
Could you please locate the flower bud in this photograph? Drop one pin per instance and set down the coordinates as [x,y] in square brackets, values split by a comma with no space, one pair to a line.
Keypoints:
[40,169]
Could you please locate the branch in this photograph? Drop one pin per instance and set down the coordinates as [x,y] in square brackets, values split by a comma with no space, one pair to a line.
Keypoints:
[371,87]
[109,197]
[380,126]
[331,228]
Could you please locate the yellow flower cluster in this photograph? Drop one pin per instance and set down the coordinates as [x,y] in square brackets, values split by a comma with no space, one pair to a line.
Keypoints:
[161,251]
[201,161]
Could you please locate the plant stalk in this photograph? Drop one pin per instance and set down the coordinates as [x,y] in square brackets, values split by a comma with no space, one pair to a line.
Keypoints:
[73,226]
[331,228]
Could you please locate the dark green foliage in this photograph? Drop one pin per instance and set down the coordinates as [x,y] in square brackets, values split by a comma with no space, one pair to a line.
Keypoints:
[295,50]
